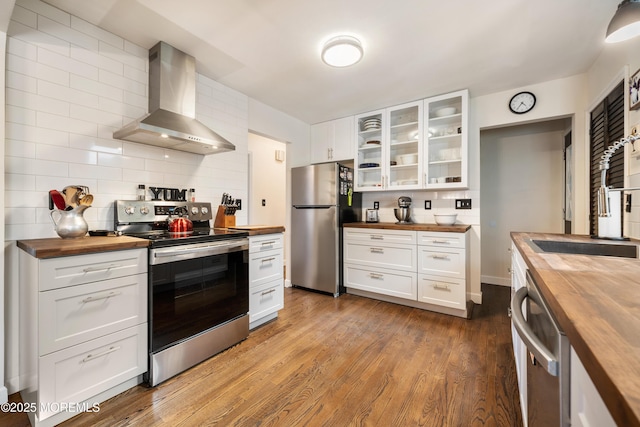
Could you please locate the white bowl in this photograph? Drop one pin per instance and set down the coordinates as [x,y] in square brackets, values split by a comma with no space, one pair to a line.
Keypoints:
[407,159]
[446,111]
[445,219]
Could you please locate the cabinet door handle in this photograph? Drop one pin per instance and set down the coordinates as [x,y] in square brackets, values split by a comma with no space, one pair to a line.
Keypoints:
[376,276]
[443,286]
[440,256]
[90,357]
[268,292]
[377,237]
[101,268]
[107,296]
[268,259]
[377,250]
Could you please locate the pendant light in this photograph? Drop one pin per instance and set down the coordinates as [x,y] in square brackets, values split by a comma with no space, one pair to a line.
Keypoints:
[342,51]
[625,23]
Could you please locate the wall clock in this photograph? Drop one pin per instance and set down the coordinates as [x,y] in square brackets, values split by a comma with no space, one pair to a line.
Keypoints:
[522,102]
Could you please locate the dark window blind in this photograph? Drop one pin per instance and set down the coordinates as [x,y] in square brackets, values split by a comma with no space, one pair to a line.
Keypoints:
[606,127]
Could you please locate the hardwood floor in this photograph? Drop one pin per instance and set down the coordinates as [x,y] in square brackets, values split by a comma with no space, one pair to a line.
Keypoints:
[347,361]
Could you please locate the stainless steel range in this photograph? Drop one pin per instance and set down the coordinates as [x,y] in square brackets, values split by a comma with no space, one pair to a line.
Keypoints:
[198,284]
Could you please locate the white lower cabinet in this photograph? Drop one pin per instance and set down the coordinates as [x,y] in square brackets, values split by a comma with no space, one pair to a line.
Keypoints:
[587,407]
[83,329]
[419,268]
[266,278]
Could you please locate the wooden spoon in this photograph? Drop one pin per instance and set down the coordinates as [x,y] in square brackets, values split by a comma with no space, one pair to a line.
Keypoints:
[87,199]
[70,196]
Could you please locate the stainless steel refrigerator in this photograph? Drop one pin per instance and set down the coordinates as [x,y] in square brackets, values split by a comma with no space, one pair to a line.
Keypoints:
[322,201]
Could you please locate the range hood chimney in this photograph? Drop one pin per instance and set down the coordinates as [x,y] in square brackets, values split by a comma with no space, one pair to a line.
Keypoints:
[171,120]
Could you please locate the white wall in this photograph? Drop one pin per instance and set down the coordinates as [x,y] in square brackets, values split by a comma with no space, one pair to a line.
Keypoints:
[522,187]
[268,180]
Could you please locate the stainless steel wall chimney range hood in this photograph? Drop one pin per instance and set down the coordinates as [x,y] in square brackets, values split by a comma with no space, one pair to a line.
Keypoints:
[171,120]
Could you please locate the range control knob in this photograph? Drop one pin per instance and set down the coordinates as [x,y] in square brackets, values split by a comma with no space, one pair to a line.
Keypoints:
[194,210]
[204,210]
[129,210]
[144,210]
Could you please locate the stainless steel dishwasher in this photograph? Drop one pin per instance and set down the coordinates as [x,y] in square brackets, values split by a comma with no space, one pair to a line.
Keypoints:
[548,380]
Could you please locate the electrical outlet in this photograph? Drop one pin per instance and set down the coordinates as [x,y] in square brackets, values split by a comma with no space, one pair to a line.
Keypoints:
[239,204]
[627,204]
[376,205]
[463,203]
[264,202]
[427,204]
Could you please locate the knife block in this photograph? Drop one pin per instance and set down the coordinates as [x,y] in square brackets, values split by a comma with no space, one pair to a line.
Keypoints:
[222,220]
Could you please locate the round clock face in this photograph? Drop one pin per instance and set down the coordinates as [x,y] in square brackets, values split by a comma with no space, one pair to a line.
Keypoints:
[522,102]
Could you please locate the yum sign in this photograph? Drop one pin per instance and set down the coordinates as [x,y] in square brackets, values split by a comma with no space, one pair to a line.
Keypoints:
[169,194]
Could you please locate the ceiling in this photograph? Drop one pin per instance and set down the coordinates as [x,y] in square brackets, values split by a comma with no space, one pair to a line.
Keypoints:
[269,49]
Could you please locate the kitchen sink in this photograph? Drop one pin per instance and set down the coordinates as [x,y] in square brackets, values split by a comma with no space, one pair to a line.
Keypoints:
[583,248]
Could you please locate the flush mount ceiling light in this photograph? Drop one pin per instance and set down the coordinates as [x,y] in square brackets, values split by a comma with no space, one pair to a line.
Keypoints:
[625,23]
[342,51]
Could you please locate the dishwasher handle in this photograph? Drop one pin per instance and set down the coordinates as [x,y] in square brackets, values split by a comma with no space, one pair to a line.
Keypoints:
[534,345]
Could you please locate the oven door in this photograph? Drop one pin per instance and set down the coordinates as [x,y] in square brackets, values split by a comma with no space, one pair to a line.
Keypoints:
[194,288]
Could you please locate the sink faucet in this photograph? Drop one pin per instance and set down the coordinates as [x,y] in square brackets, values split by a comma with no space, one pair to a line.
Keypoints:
[609,213]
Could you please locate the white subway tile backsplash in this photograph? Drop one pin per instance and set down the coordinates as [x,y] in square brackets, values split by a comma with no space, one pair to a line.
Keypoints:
[96,32]
[24,16]
[136,101]
[36,102]
[142,151]
[29,35]
[21,82]
[20,216]
[96,88]
[65,154]
[136,74]
[121,82]
[65,63]
[39,135]
[15,148]
[19,182]
[66,33]
[93,58]
[137,51]
[94,115]
[67,94]
[20,115]
[23,49]
[44,9]
[123,56]
[60,123]
[101,145]
[25,199]
[95,172]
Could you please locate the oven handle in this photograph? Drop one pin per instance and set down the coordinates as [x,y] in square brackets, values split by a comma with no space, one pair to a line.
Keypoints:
[534,345]
[211,249]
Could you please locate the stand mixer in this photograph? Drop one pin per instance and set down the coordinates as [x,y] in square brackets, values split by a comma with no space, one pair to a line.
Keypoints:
[403,211]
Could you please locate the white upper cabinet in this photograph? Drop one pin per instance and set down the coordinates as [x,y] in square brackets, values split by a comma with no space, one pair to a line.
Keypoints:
[418,145]
[332,140]
[445,136]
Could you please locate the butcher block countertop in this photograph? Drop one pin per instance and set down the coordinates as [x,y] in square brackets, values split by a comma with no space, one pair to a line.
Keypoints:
[256,230]
[57,247]
[456,228]
[596,301]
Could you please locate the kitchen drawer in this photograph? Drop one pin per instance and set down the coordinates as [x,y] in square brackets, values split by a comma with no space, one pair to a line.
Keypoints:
[265,267]
[448,262]
[85,370]
[442,239]
[442,291]
[71,315]
[379,235]
[265,299]
[382,281]
[265,242]
[60,272]
[401,257]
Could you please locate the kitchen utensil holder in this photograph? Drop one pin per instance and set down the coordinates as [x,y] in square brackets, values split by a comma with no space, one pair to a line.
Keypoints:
[222,220]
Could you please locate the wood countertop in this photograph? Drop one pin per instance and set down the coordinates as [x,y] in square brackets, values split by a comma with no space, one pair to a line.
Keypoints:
[456,228]
[256,230]
[596,301]
[57,247]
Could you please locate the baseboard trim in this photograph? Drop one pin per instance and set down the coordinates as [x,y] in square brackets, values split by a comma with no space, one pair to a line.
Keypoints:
[494,280]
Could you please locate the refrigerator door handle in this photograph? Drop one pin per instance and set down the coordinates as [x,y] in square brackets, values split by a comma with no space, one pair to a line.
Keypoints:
[313,206]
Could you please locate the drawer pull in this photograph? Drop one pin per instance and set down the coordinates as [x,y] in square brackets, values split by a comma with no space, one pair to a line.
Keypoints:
[440,256]
[377,250]
[270,291]
[107,296]
[272,242]
[90,357]
[443,286]
[377,237]
[268,259]
[441,242]
[103,268]
[376,276]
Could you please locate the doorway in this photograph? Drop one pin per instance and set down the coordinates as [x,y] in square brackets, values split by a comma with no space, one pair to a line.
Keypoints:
[521,187]
[267,181]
